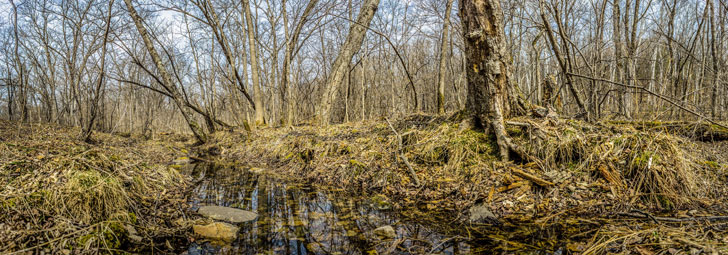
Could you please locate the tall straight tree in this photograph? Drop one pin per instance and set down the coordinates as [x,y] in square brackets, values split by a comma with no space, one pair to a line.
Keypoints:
[443,58]
[167,82]
[291,49]
[20,68]
[490,94]
[257,91]
[351,46]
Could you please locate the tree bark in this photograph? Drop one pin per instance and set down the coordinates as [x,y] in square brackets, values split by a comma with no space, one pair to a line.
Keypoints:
[353,42]
[618,51]
[489,99]
[291,45]
[714,55]
[443,58]
[217,30]
[257,91]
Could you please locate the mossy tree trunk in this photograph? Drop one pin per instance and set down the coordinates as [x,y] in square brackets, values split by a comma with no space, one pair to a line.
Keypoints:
[491,97]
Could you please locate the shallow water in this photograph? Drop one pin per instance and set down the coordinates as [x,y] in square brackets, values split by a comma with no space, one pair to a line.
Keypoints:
[298,219]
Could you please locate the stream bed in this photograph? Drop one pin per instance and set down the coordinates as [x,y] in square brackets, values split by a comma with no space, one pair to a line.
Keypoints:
[295,218]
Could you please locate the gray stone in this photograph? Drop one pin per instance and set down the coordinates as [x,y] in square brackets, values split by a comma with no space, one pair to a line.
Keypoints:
[385,232]
[133,235]
[482,214]
[217,231]
[227,214]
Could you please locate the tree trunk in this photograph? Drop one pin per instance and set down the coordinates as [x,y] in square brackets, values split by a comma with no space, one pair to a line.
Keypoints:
[217,30]
[443,59]
[291,44]
[257,91]
[353,42]
[618,51]
[714,55]
[489,97]
[166,78]
[86,133]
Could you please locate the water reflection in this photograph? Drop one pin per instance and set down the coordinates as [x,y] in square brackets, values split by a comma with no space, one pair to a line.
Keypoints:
[296,219]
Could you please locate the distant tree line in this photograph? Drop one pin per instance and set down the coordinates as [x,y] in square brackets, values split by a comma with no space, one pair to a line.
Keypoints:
[205,65]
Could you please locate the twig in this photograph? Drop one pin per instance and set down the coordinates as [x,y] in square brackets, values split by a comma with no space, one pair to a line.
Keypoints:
[401,156]
[535,179]
[656,219]
[432,251]
[57,239]
[666,99]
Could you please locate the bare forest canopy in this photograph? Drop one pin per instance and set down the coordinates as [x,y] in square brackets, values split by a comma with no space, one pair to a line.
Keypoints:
[202,65]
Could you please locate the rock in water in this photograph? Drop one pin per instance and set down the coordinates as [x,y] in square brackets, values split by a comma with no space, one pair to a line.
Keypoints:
[227,214]
[385,232]
[482,214]
[218,231]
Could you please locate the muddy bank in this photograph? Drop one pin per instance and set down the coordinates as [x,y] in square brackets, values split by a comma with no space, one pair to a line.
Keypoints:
[581,188]
[602,185]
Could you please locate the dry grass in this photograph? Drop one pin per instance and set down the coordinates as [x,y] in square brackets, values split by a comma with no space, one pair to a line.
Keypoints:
[62,194]
[605,162]
[649,167]
[598,170]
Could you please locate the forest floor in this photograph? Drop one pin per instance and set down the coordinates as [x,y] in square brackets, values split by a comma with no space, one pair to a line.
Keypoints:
[640,187]
[63,196]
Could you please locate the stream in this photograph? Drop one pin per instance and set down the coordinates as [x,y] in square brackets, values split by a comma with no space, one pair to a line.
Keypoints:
[295,218]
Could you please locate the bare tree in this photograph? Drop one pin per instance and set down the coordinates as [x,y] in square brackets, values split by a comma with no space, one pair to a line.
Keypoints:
[353,42]
[257,91]
[167,82]
[86,132]
[443,58]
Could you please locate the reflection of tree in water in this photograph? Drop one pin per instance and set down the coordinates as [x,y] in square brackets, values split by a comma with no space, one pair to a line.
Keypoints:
[299,220]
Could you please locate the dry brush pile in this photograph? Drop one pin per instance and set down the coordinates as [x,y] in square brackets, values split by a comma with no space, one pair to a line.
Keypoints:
[61,195]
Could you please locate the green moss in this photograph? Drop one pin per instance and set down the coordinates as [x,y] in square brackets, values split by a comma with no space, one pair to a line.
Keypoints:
[711,164]
[514,131]
[39,196]
[357,164]
[380,202]
[644,159]
[8,203]
[132,217]
[84,239]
